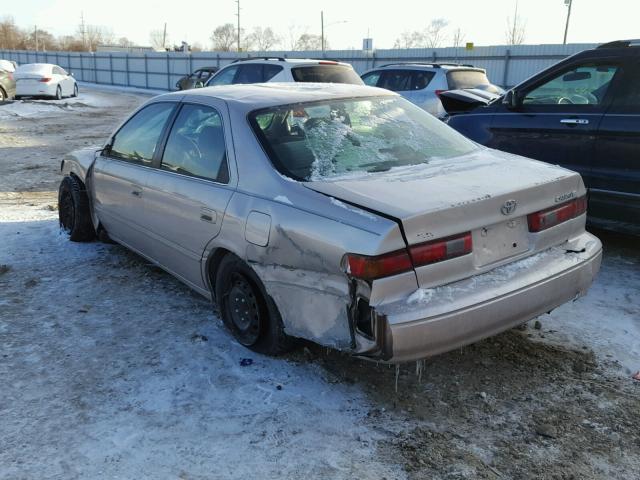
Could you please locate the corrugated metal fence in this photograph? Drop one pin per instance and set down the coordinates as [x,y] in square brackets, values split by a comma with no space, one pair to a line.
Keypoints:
[505,65]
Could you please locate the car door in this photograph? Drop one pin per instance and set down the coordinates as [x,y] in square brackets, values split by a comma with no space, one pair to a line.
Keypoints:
[120,174]
[557,117]
[68,82]
[188,191]
[615,173]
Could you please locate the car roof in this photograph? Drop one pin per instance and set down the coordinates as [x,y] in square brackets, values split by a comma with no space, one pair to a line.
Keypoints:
[254,96]
[298,61]
[426,66]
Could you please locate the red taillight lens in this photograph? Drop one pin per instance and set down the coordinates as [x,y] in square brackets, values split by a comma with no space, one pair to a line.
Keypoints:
[438,92]
[45,79]
[443,249]
[372,268]
[555,215]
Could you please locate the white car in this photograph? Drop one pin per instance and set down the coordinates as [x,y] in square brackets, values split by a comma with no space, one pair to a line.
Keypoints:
[422,83]
[44,79]
[278,69]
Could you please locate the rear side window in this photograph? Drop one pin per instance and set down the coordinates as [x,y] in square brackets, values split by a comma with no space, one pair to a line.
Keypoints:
[251,73]
[196,146]
[326,74]
[270,71]
[137,140]
[466,79]
[405,80]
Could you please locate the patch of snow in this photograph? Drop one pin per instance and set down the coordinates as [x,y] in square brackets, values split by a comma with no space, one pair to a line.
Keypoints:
[353,209]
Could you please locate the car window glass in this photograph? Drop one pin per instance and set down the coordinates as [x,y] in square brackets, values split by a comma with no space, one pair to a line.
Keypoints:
[583,85]
[396,80]
[251,73]
[224,77]
[326,73]
[270,71]
[371,78]
[466,79]
[57,71]
[136,141]
[63,71]
[420,79]
[196,145]
[627,97]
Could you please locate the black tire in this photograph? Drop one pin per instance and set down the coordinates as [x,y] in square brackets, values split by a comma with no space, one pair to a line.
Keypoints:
[247,310]
[75,90]
[73,210]
[59,93]
[3,95]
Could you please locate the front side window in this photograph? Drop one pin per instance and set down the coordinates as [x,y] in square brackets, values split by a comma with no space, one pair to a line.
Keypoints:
[224,77]
[137,140]
[251,73]
[196,146]
[323,73]
[323,140]
[371,78]
[583,85]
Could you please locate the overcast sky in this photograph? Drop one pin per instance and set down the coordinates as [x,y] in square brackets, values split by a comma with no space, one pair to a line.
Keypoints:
[483,22]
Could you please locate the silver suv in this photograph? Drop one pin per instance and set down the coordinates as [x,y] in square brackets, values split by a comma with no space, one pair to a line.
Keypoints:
[422,83]
[278,69]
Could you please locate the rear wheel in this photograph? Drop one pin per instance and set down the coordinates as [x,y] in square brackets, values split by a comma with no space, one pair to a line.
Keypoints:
[59,93]
[247,310]
[3,96]
[73,210]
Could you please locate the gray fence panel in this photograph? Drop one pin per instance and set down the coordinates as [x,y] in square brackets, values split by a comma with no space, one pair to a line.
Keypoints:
[505,65]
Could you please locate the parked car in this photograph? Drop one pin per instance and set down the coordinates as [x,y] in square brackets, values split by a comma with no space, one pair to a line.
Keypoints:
[422,83]
[582,113]
[268,69]
[197,79]
[7,85]
[8,65]
[341,214]
[44,80]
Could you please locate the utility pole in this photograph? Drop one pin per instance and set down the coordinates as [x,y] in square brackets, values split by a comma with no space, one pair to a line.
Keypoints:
[238,15]
[566,27]
[83,30]
[35,35]
[322,29]
[164,37]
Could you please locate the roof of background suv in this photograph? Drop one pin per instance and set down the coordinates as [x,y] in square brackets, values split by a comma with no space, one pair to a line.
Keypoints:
[297,61]
[428,65]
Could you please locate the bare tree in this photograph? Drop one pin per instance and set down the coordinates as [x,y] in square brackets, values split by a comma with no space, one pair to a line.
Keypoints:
[196,47]
[409,40]
[158,39]
[263,39]
[294,35]
[11,37]
[516,29]
[309,41]
[224,37]
[42,40]
[458,37]
[94,35]
[434,34]
[125,42]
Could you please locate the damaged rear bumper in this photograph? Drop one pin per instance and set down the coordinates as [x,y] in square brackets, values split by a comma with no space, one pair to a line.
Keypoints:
[436,320]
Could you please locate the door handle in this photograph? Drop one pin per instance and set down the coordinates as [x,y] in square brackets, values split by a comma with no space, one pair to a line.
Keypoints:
[575,121]
[208,215]
[136,193]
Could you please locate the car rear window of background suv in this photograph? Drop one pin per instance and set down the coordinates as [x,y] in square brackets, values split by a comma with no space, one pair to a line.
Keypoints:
[326,74]
[467,79]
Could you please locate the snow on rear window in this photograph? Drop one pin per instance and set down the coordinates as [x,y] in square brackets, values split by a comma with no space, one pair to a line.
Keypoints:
[321,140]
[34,68]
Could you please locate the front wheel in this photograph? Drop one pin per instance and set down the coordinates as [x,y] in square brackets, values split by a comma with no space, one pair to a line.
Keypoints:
[75,90]
[59,93]
[73,210]
[3,97]
[247,310]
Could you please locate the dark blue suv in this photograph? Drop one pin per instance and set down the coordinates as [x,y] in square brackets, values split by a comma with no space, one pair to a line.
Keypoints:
[582,113]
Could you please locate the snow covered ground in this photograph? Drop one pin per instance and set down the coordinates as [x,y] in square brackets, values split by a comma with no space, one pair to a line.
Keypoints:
[110,368]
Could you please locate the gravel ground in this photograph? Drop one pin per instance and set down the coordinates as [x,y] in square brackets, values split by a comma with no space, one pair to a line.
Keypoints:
[110,368]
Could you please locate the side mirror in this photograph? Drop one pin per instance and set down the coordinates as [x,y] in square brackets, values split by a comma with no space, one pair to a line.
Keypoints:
[511,100]
[72,74]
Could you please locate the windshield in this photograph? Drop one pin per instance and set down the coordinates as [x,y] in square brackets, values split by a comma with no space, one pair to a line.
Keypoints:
[329,139]
[322,73]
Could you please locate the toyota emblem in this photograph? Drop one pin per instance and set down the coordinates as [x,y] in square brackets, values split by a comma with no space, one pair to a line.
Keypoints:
[509,207]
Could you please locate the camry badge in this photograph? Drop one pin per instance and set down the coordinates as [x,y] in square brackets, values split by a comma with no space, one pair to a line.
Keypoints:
[509,207]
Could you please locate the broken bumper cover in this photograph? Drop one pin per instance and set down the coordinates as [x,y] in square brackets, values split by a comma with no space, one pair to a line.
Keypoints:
[436,320]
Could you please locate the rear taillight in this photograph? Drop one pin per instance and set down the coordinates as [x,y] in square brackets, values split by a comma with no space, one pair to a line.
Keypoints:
[372,268]
[553,216]
[443,249]
[45,79]
[438,92]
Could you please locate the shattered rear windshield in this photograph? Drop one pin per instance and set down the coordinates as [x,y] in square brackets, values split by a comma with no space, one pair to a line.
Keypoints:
[329,139]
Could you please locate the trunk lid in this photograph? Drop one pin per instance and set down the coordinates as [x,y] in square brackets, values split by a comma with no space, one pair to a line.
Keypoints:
[471,193]
[456,101]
